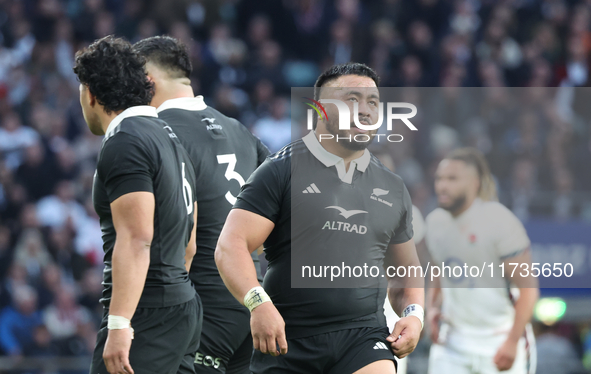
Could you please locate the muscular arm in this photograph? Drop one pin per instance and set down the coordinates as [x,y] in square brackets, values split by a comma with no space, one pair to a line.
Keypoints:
[423,253]
[410,289]
[242,234]
[133,218]
[528,296]
[434,301]
[192,246]
[524,307]
[403,292]
[434,298]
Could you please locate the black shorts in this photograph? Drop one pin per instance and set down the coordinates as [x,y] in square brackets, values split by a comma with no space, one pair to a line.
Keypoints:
[165,340]
[338,352]
[226,343]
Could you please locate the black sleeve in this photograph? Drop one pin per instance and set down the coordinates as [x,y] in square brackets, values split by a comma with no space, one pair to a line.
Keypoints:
[404,232]
[263,192]
[125,166]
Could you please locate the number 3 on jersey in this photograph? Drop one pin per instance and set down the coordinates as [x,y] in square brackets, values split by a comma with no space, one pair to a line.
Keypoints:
[230,173]
[187,192]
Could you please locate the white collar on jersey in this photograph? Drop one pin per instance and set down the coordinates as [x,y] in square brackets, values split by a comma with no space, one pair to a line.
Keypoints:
[185,103]
[329,159]
[134,111]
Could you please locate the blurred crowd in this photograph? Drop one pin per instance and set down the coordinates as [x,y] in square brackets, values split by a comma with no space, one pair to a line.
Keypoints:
[246,56]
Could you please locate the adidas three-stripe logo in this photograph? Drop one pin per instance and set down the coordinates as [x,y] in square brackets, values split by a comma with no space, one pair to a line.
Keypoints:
[311,189]
[380,345]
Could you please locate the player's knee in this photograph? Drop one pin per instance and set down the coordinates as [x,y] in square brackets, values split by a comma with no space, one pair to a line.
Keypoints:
[378,367]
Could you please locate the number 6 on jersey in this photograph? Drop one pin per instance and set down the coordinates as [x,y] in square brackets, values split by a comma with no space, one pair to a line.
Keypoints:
[230,173]
[187,192]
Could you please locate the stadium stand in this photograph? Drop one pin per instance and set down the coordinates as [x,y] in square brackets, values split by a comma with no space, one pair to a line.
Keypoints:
[246,56]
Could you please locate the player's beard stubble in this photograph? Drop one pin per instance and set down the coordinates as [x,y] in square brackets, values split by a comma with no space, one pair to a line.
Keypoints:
[343,135]
[455,204]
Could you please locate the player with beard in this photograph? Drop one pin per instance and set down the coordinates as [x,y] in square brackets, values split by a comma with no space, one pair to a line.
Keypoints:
[287,204]
[483,330]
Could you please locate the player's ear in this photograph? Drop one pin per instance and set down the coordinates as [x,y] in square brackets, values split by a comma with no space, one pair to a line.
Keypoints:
[152,82]
[91,99]
[86,96]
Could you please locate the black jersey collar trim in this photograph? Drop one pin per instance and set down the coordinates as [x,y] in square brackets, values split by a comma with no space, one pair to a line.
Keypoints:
[134,111]
[185,103]
[329,159]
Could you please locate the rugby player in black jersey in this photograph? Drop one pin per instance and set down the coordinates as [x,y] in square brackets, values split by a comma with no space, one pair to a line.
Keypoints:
[143,194]
[224,154]
[297,199]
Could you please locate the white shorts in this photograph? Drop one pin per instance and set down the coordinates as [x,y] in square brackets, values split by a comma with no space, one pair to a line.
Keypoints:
[444,360]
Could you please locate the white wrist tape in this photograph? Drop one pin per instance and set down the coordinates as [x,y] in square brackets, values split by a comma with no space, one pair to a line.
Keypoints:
[119,323]
[417,311]
[255,297]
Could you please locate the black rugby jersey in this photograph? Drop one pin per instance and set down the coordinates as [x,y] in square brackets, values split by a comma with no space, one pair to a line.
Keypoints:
[224,154]
[137,154]
[322,210]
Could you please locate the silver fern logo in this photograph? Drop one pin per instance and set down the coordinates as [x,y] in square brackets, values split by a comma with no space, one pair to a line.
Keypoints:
[380,192]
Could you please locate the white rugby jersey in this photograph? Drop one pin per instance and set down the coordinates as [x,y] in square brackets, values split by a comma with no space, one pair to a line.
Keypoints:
[475,319]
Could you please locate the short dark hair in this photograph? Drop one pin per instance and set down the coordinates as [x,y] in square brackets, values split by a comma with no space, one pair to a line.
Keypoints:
[167,53]
[335,71]
[114,73]
[349,68]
